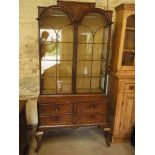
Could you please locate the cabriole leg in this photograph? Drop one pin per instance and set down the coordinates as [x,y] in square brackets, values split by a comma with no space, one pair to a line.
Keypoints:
[38,138]
[107,134]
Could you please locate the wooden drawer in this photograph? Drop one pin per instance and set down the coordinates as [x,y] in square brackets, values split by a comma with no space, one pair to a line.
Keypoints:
[93,107]
[130,86]
[47,109]
[56,120]
[89,118]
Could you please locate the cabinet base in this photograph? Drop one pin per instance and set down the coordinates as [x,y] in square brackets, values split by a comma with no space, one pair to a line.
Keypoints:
[39,135]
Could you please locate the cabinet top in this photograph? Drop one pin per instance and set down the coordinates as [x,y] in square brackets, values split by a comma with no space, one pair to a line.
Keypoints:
[125,6]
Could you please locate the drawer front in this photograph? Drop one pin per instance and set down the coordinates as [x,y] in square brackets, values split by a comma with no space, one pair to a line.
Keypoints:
[130,86]
[47,109]
[56,120]
[93,107]
[92,118]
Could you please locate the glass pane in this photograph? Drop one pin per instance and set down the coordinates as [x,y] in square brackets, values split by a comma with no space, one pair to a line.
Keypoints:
[65,51]
[55,18]
[84,52]
[83,85]
[48,68]
[66,34]
[96,68]
[49,85]
[131,21]
[48,50]
[103,67]
[105,38]
[83,68]
[84,34]
[64,68]
[101,35]
[128,58]
[96,85]
[100,51]
[64,85]
[129,42]
[94,20]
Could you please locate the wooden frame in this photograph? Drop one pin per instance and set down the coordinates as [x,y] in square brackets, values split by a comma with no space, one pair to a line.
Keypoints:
[76,19]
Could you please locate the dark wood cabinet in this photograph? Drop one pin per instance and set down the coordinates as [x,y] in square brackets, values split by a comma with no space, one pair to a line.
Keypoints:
[23,144]
[74,41]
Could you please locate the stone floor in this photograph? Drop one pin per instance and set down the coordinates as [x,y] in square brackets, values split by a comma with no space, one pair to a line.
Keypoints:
[80,141]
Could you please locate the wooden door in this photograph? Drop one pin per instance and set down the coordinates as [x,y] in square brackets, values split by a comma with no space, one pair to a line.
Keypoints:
[127,113]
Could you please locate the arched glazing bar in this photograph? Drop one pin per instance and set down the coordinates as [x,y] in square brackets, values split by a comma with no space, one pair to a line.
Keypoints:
[56,50]
[93,51]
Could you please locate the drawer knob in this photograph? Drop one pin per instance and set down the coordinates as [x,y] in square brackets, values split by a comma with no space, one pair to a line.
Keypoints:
[131,87]
[56,108]
[92,107]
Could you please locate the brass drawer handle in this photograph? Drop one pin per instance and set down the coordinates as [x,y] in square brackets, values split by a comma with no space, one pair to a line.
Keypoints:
[92,106]
[56,108]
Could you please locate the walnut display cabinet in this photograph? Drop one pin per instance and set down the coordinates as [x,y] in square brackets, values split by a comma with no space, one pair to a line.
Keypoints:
[121,77]
[74,43]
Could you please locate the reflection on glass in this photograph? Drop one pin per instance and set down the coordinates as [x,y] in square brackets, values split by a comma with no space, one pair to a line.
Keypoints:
[95,85]
[48,68]
[131,21]
[64,85]
[67,33]
[83,85]
[48,85]
[128,58]
[84,52]
[103,67]
[84,34]
[96,68]
[129,42]
[94,21]
[102,84]
[55,18]
[64,68]
[100,51]
[83,68]
[65,51]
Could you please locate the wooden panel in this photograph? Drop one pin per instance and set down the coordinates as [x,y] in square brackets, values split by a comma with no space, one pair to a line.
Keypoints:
[61,99]
[55,120]
[93,107]
[76,11]
[88,118]
[130,86]
[47,109]
[127,113]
